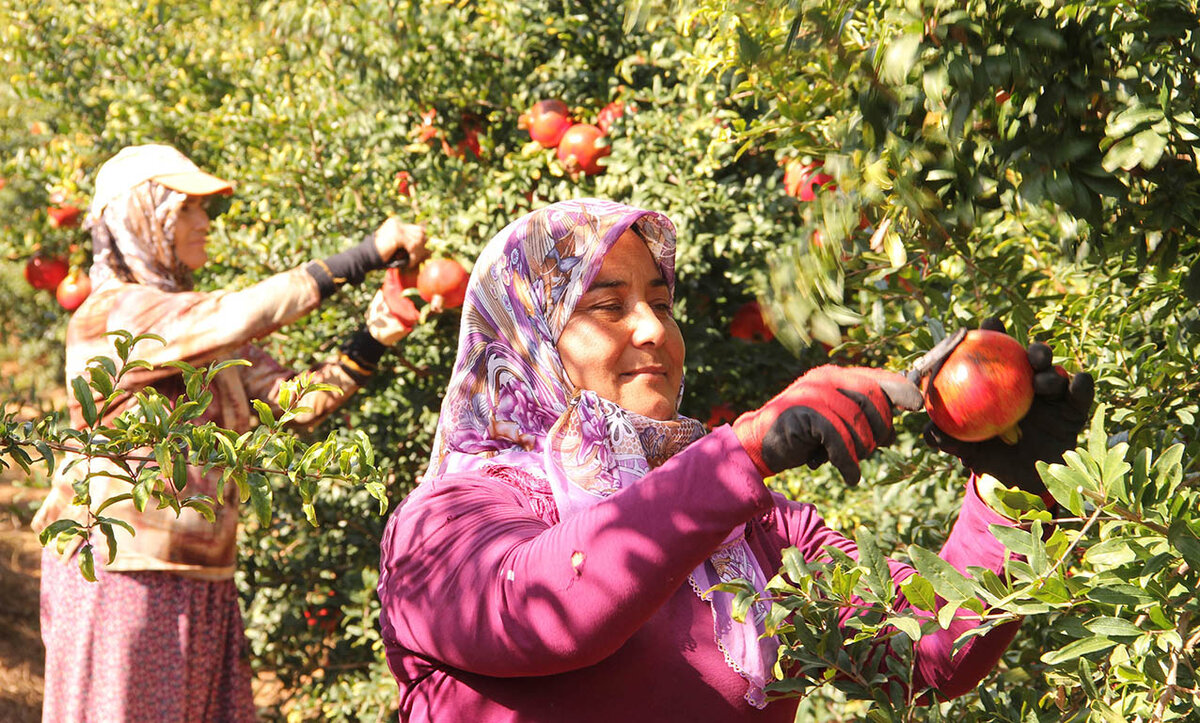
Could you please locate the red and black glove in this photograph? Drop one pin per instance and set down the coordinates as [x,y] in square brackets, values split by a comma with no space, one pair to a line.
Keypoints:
[1061,406]
[834,414]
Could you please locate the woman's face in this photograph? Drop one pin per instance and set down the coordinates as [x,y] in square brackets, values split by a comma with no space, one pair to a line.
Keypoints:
[621,341]
[191,232]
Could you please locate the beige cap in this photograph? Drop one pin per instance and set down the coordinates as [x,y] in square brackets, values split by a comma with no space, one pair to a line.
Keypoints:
[135,165]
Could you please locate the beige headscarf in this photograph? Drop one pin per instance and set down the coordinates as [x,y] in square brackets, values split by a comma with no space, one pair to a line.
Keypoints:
[133,239]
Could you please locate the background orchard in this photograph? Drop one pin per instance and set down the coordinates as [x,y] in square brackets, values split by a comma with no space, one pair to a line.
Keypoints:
[873,176]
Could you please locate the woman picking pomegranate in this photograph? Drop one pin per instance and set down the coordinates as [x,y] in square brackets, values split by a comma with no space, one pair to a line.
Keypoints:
[159,635]
[555,562]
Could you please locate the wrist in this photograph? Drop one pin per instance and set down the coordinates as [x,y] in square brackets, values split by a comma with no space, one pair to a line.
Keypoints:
[744,430]
[348,267]
[359,355]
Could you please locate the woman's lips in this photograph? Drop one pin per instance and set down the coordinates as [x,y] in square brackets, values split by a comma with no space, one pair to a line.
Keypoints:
[651,371]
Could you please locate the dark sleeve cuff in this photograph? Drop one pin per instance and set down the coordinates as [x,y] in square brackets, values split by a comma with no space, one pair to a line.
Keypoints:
[360,354]
[348,267]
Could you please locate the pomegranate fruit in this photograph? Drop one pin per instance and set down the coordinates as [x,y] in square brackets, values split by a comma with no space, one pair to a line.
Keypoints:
[580,149]
[73,290]
[748,324]
[46,272]
[983,389]
[802,180]
[547,121]
[63,216]
[609,115]
[720,414]
[443,282]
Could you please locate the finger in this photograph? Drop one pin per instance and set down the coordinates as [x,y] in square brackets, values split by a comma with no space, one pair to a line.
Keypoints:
[1040,356]
[1049,383]
[878,420]
[1081,392]
[993,323]
[939,440]
[901,392]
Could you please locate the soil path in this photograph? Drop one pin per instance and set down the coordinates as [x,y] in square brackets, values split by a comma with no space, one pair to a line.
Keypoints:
[21,652]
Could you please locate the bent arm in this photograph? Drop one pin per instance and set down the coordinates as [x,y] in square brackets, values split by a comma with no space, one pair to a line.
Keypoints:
[472,578]
[970,544]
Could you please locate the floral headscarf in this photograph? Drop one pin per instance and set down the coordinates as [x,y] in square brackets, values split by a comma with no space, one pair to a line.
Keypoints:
[133,240]
[511,402]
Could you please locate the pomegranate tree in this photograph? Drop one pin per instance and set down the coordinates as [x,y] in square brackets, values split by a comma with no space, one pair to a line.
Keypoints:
[983,389]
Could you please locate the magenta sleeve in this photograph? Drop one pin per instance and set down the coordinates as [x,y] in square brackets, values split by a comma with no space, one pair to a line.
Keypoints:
[472,578]
[970,544]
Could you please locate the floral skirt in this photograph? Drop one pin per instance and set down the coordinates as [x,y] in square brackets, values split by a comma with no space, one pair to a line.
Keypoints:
[142,646]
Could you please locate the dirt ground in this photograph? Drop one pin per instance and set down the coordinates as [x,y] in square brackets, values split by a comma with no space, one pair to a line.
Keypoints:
[21,653]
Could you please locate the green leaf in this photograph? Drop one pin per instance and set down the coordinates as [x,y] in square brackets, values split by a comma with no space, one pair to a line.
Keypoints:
[141,495]
[919,592]
[879,578]
[1112,627]
[261,497]
[87,564]
[264,413]
[83,395]
[54,529]
[1182,539]
[112,501]
[947,582]
[907,625]
[1086,646]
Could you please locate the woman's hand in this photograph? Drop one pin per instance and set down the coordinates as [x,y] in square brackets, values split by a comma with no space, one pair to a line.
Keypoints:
[393,235]
[835,414]
[1061,407]
[389,325]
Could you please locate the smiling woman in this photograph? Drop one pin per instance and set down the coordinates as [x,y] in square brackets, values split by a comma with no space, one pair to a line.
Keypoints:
[621,341]
[559,559]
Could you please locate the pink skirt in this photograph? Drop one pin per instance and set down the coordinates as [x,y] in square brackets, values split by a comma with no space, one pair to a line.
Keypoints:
[142,646]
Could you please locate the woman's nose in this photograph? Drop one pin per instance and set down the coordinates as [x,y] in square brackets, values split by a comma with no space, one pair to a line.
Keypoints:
[648,328]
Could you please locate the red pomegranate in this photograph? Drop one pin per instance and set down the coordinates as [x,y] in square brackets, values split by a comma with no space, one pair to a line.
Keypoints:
[444,280]
[720,414]
[63,216]
[547,121]
[983,389]
[72,290]
[46,272]
[581,149]
[803,180]
[748,323]
[609,115]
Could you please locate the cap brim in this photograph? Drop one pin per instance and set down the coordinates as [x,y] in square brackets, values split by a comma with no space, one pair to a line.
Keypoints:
[195,183]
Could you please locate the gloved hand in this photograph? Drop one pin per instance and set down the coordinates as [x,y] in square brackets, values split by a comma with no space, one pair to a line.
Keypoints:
[1061,406]
[835,414]
[387,324]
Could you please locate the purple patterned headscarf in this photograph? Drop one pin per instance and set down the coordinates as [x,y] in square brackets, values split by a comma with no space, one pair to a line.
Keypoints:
[511,402]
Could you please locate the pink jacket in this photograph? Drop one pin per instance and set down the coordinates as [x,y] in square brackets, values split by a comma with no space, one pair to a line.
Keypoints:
[491,613]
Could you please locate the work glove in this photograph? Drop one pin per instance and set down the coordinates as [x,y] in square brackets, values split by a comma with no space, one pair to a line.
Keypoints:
[391,323]
[1061,407]
[834,414]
